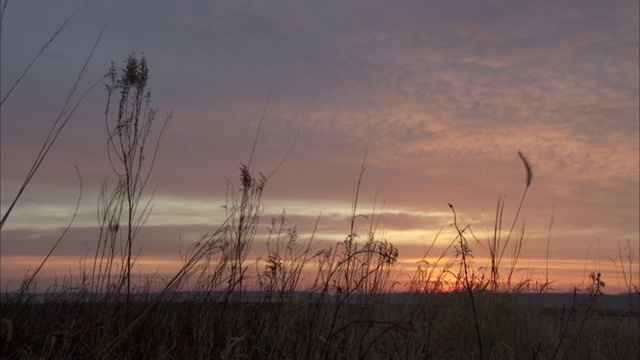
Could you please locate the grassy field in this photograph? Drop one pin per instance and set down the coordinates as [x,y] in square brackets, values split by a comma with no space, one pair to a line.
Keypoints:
[222,304]
[338,326]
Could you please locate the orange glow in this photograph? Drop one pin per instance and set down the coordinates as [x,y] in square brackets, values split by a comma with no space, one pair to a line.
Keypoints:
[564,274]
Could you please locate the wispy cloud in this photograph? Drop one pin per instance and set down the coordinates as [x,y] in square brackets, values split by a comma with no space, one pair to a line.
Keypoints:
[440,95]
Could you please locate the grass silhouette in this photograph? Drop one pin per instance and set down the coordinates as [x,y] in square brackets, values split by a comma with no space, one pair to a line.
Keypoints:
[222,304]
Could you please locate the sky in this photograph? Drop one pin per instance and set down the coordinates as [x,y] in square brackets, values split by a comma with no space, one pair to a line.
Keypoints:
[436,98]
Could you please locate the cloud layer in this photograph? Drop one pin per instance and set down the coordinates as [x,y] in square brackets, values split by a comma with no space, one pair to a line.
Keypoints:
[440,97]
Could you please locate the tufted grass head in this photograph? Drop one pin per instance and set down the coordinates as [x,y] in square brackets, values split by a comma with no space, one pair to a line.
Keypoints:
[527,168]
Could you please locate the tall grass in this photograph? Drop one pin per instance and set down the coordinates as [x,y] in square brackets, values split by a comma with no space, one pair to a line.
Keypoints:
[222,304]
[65,115]
[132,159]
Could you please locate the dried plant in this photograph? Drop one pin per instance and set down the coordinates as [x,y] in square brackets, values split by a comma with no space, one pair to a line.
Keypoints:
[131,158]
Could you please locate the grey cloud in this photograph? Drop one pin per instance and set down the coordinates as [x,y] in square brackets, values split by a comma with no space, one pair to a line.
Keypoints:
[442,95]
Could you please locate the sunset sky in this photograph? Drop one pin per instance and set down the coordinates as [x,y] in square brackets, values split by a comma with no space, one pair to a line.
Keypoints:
[440,96]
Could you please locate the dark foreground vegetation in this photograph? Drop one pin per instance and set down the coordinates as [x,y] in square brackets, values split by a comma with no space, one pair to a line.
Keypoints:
[300,301]
[421,326]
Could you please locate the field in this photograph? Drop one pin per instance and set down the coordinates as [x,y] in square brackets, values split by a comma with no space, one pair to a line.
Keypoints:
[336,326]
[298,301]
[221,304]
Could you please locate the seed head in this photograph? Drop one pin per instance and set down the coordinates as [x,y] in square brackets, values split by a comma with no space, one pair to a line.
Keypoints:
[527,167]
